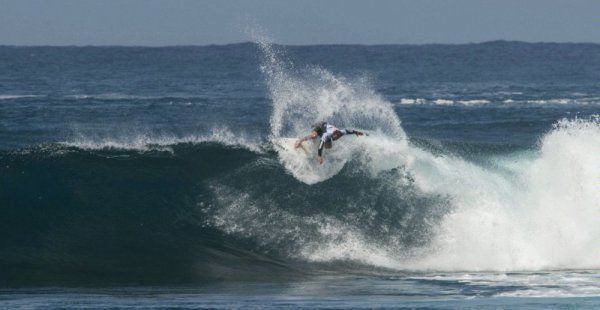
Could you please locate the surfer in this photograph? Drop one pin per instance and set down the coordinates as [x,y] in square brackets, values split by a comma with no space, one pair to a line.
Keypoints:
[328,133]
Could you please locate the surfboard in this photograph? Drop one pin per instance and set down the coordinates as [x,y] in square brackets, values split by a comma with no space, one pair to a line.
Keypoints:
[289,145]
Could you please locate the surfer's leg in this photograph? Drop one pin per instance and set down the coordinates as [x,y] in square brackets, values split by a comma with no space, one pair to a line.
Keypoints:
[322,145]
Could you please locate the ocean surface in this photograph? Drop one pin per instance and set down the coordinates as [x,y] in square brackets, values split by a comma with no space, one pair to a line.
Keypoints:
[152,177]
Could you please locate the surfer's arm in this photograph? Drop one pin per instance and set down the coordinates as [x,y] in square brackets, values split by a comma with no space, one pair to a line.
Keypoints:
[352,132]
[311,136]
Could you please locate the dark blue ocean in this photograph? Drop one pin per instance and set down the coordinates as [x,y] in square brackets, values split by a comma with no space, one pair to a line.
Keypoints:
[137,177]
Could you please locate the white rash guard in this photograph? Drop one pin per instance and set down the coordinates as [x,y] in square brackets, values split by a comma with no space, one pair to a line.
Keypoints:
[327,136]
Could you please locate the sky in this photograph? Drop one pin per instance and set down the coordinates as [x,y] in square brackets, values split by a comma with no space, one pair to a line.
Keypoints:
[187,22]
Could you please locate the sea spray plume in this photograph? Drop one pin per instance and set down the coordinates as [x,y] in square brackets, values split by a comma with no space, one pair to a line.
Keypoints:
[302,97]
[275,72]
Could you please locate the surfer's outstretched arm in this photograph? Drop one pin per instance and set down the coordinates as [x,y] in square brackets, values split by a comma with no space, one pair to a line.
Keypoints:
[352,132]
[311,136]
[340,133]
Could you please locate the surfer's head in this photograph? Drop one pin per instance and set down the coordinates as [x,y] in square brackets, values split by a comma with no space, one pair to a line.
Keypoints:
[319,128]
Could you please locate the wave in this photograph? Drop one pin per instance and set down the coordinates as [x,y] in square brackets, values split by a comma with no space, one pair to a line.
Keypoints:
[161,142]
[80,215]
[207,210]
[12,97]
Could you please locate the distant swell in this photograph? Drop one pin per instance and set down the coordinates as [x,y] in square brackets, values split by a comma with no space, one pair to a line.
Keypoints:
[500,102]
[13,97]
[123,97]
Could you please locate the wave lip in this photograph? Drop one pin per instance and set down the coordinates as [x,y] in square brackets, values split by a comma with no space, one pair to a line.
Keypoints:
[149,142]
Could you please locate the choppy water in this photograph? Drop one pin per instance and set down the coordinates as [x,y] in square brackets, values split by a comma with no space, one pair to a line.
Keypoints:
[154,169]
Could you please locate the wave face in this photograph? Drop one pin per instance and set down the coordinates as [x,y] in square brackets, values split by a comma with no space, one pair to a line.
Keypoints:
[196,211]
[200,193]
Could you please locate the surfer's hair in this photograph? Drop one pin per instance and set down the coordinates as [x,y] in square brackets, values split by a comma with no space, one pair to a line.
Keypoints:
[319,128]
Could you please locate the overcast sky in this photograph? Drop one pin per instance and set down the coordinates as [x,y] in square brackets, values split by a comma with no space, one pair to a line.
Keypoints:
[186,22]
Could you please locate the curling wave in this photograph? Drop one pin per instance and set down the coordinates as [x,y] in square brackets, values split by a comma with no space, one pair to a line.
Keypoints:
[211,211]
